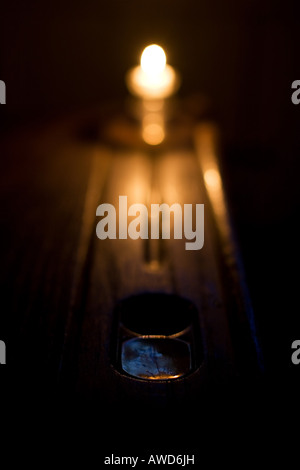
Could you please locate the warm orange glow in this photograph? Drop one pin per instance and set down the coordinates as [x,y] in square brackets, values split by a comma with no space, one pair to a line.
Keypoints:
[153,128]
[153,106]
[136,182]
[153,79]
[137,188]
[212,179]
[153,134]
[206,143]
[153,118]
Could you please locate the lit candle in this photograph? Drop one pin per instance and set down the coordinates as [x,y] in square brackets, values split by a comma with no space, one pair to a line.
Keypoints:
[153,81]
[153,78]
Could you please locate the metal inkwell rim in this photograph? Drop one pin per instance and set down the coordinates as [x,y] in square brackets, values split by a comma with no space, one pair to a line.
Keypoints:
[160,345]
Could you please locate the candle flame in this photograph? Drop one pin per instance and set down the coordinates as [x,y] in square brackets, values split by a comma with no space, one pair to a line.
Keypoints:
[153,79]
[153,60]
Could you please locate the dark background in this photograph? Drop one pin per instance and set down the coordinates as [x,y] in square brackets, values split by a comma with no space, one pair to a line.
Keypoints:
[58,58]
